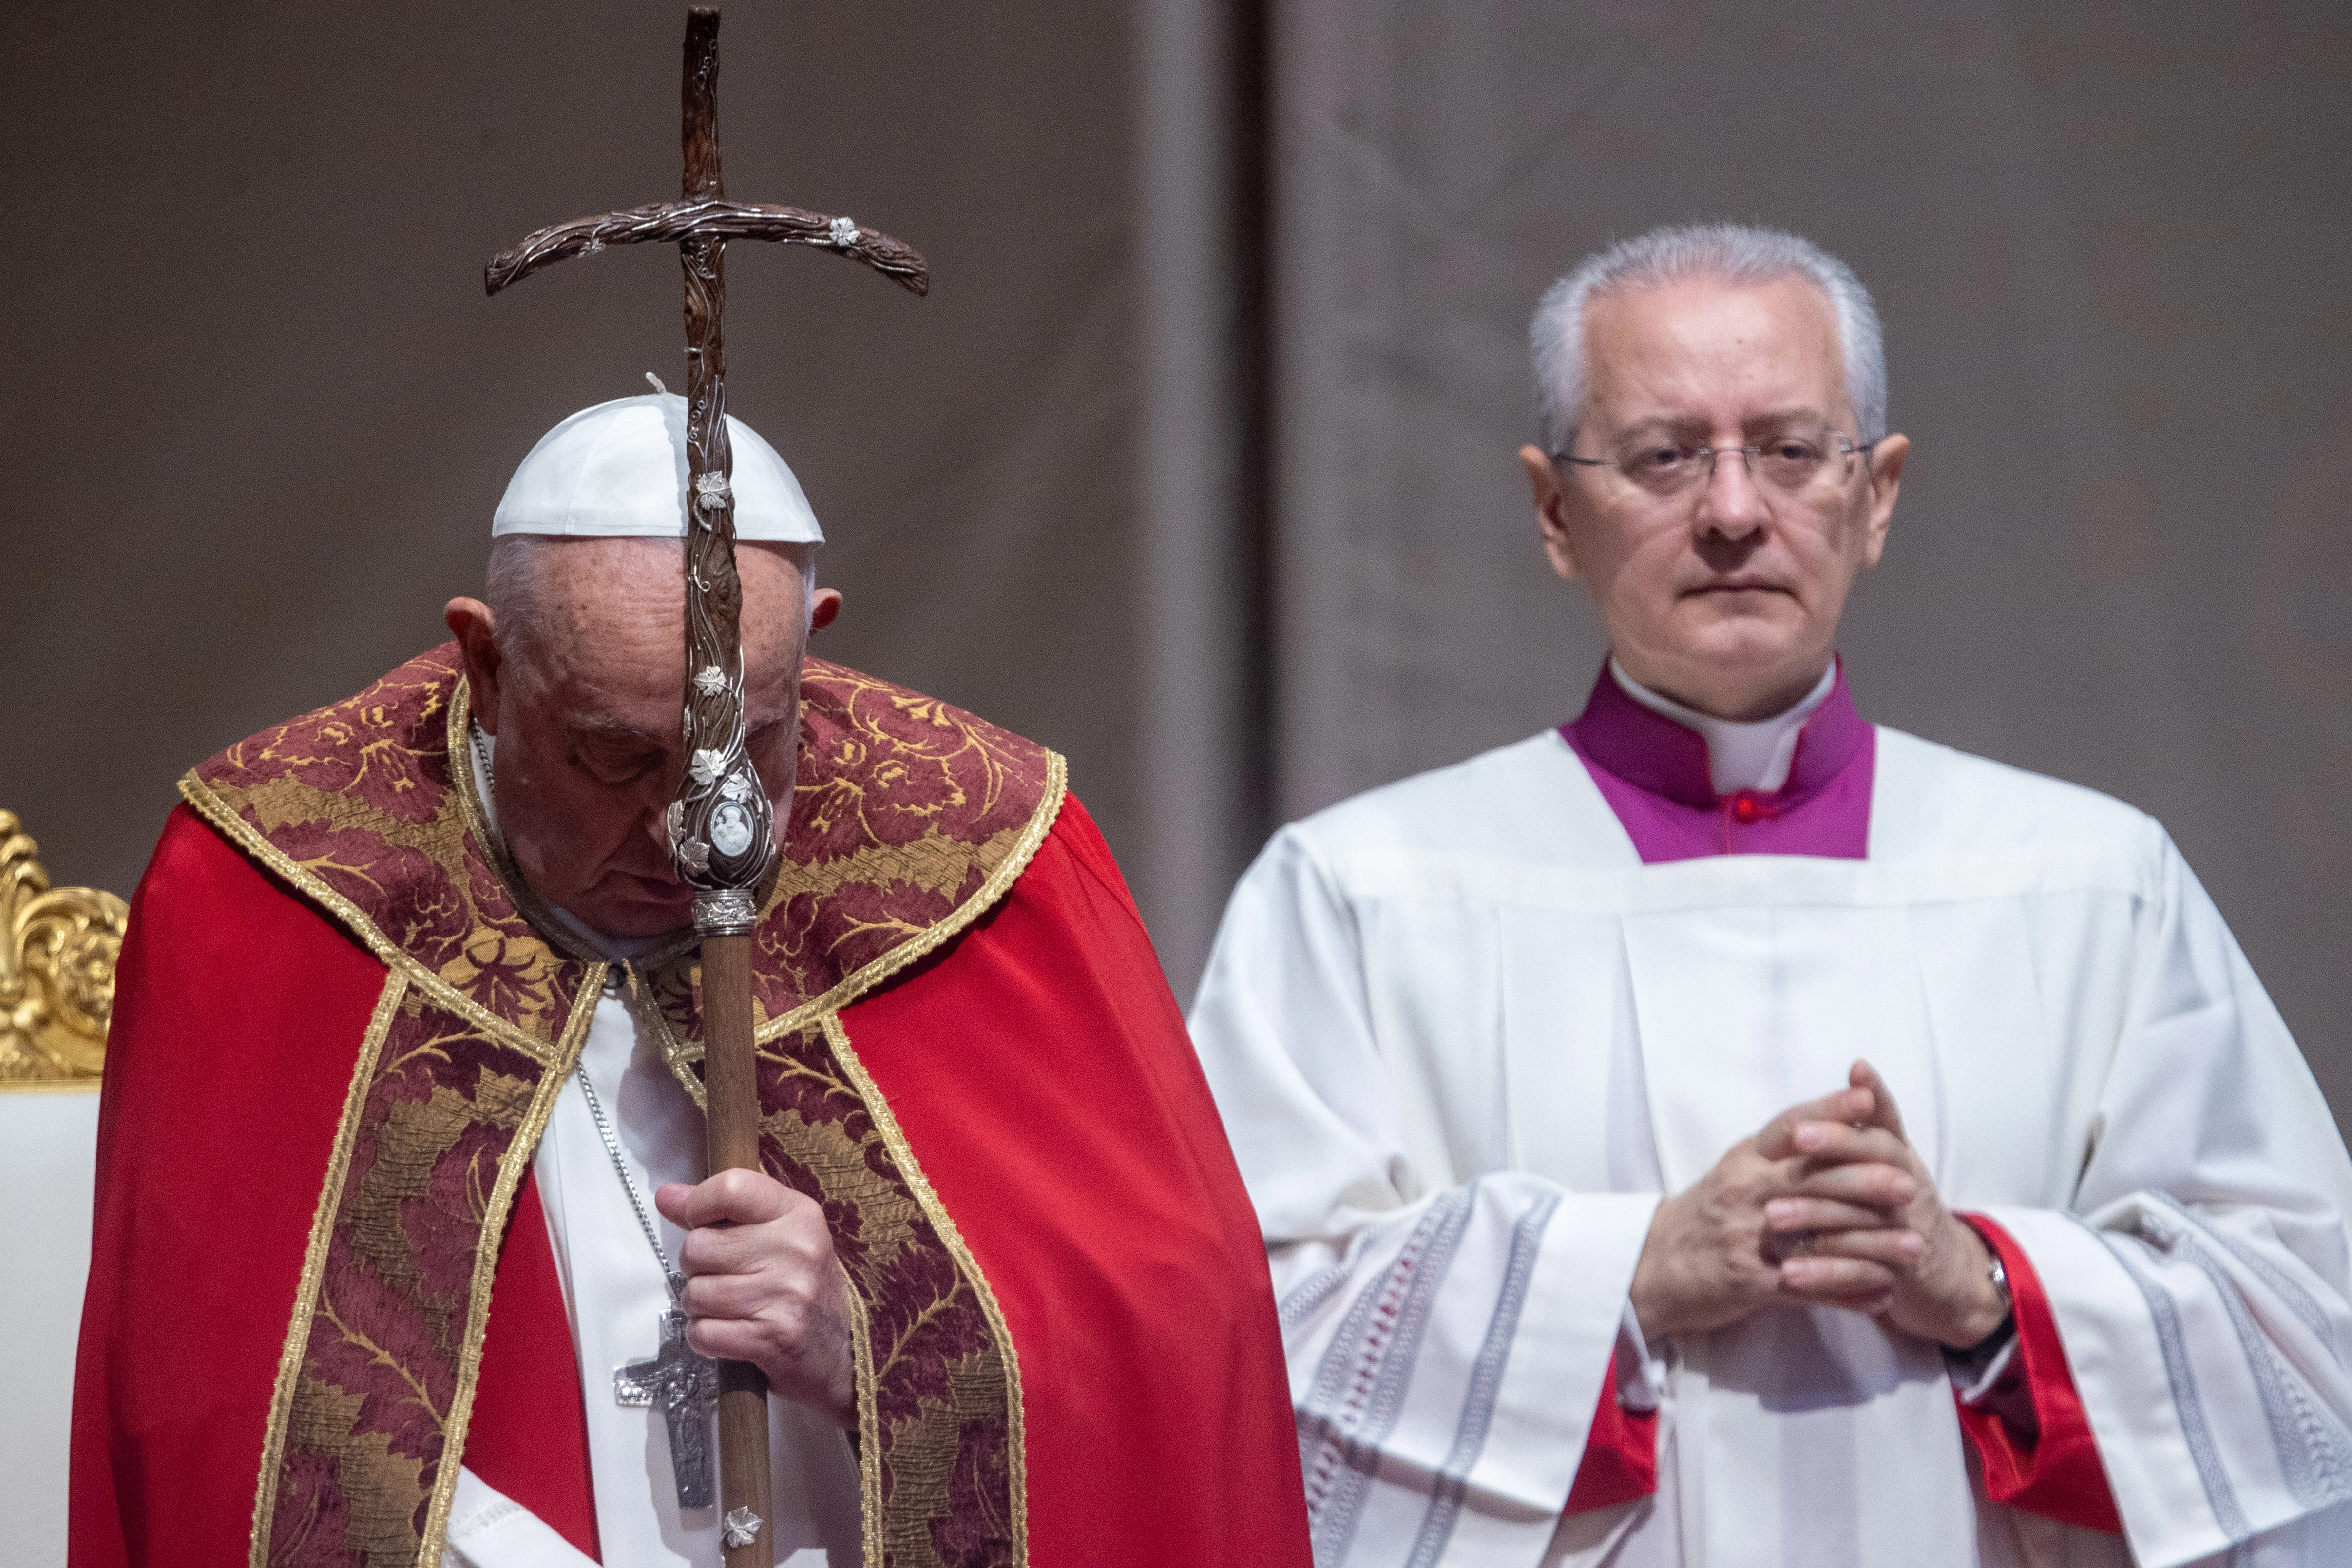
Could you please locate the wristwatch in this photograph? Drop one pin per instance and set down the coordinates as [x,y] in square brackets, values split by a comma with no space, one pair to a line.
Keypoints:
[1985,1348]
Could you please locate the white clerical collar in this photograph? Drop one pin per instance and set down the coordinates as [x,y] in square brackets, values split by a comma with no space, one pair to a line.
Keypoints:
[619,948]
[1752,754]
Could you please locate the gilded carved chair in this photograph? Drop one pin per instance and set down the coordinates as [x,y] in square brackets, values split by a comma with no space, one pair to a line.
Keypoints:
[57,970]
[58,948]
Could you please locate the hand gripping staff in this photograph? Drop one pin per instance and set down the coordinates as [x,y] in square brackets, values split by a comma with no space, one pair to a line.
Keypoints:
[721,826]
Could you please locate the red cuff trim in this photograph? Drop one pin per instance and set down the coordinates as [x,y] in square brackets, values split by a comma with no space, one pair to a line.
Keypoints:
[2054,1472]
[1621,1457]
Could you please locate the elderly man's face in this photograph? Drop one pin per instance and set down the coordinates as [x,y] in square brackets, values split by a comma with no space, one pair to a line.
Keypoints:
[1726,594]
[590,750]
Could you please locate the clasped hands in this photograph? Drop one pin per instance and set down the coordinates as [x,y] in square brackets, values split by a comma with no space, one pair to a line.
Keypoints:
[1829,1205]
[762,1286]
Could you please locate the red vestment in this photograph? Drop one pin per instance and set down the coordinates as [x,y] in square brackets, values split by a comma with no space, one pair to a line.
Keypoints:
[320,1276]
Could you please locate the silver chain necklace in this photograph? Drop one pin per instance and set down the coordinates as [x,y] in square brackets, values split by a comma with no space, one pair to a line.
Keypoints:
[628,1185]
[481,744]
[682,1385]
[676,1281]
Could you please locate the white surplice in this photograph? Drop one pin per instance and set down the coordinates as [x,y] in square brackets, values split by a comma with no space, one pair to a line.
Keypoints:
[1462,1039]
[614,1295]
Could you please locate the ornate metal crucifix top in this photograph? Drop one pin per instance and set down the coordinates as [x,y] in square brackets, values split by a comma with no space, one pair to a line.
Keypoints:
[721,827]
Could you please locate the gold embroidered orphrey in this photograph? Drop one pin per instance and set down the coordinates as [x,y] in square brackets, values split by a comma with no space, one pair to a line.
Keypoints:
[910,819]
[58,952]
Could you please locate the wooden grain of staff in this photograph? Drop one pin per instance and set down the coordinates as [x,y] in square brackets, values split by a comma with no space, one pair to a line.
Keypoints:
[722,828]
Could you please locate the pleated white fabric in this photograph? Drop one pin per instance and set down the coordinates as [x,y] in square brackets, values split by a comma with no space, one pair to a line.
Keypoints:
[1462,1039]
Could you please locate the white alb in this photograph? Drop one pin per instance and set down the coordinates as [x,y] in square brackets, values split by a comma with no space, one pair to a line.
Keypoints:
[1463,1039]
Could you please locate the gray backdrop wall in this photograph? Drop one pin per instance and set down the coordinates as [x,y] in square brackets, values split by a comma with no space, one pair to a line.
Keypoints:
[1197,464]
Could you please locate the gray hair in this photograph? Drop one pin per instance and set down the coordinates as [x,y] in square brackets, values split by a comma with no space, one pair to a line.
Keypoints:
[1734,253]
[517,588]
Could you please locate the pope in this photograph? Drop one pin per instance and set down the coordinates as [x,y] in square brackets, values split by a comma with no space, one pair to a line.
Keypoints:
[404,1251]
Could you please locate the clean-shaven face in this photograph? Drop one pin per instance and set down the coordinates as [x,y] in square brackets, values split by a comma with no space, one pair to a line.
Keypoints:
[590,745]
[1725,595]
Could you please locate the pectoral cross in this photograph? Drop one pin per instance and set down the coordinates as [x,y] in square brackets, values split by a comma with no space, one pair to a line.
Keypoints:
[684,1388]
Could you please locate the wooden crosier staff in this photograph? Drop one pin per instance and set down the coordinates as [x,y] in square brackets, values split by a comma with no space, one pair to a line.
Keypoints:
[721,826]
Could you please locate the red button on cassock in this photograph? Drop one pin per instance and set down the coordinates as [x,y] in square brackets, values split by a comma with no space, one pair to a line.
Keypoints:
[1746,809]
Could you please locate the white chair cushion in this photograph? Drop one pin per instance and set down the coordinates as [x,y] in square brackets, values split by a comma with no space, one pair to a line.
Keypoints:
[49,1142]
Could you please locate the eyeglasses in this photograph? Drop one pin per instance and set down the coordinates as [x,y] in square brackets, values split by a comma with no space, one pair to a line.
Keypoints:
[1793,462]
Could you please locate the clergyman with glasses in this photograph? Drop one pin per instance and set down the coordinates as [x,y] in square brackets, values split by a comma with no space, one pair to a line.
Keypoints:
[1724,1131]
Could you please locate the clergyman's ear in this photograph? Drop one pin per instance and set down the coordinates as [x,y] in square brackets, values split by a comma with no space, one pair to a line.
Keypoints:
[475,626]
[1551,499]
[823,608]
[1886,479]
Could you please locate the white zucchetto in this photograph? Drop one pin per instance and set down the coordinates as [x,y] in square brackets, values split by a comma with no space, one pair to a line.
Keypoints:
[620,468]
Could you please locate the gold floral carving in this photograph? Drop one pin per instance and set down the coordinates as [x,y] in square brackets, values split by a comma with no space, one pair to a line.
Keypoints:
[58,948]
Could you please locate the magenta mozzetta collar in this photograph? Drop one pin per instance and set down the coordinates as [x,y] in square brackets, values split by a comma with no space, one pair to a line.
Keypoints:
[1653,773]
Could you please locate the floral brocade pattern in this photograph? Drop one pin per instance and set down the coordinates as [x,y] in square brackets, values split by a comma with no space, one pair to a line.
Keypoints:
[357,795]
[941,1418]
[905,805]
[910,819]
[377,1392]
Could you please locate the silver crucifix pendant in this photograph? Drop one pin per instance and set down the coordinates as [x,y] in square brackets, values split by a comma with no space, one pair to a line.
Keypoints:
[684,1388]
